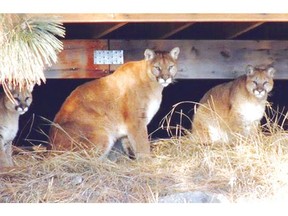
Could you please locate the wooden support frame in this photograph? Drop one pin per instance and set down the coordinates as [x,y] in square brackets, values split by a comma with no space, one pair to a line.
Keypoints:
[173,29]
[198,59]
[103,30]
[241,29]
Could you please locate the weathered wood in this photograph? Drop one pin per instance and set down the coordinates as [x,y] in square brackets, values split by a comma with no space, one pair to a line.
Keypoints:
[198,59]
[77,60]
[75,74]
[169,17]
[204,59]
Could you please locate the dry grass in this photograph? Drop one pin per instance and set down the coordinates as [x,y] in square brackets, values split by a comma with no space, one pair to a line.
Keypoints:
[250,170]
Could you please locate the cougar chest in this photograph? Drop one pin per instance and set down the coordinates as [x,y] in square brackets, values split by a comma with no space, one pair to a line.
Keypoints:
[152,108]
[251,112]
[9,130]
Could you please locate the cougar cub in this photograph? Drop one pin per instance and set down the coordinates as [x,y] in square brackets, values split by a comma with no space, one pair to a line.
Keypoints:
[9,120]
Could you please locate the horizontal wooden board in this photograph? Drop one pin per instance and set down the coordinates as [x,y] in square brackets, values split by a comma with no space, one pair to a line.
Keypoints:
[77,60]
[169,17]
[220,59]
[198,59]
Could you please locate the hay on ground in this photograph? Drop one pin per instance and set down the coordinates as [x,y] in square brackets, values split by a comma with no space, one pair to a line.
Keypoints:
[251,170]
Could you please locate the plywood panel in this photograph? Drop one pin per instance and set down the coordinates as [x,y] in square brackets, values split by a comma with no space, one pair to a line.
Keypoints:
[204,59]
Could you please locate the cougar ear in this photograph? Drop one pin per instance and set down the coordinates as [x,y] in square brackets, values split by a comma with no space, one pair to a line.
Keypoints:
[271,71]
[249,70]
[149,54]
[175,52]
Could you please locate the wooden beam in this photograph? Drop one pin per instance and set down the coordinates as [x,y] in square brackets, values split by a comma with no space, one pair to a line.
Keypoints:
[102,30]
[212,59]
[77,60]
[239,29]
[198,59]
[173,29]
[168,17]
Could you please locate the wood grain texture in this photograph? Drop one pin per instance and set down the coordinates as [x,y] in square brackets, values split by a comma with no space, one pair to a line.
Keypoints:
[198,59]
[77,60]
[206,59]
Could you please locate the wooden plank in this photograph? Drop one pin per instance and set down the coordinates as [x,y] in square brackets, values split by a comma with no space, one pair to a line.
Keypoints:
[167,17]
[77,60]
[102,30]
[239,29]
[76,74]
[199,59]
[206,59]
[173,28]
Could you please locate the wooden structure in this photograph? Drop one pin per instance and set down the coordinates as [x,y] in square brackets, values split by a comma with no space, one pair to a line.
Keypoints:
[212,45]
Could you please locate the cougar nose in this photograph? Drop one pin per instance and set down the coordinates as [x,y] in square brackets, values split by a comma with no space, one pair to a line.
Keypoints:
[259,89]
[21,108]
[165,77]
[259,92]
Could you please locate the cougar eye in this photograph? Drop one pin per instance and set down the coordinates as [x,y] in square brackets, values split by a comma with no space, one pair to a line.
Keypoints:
[265,83]
[17,99]
[255,82]
[170,67]
[26,99]
[157,68]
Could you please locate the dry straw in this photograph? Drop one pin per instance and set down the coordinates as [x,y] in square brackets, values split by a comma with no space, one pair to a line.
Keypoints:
[27,46]
[251,169]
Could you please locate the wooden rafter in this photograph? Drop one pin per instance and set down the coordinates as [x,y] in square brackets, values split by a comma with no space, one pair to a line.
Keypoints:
[238,30]
[173,29]
[170,17]
[101,31]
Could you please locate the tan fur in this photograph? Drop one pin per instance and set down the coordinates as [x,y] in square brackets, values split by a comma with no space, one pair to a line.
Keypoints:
[121,104]
[9,120]
[233,107]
